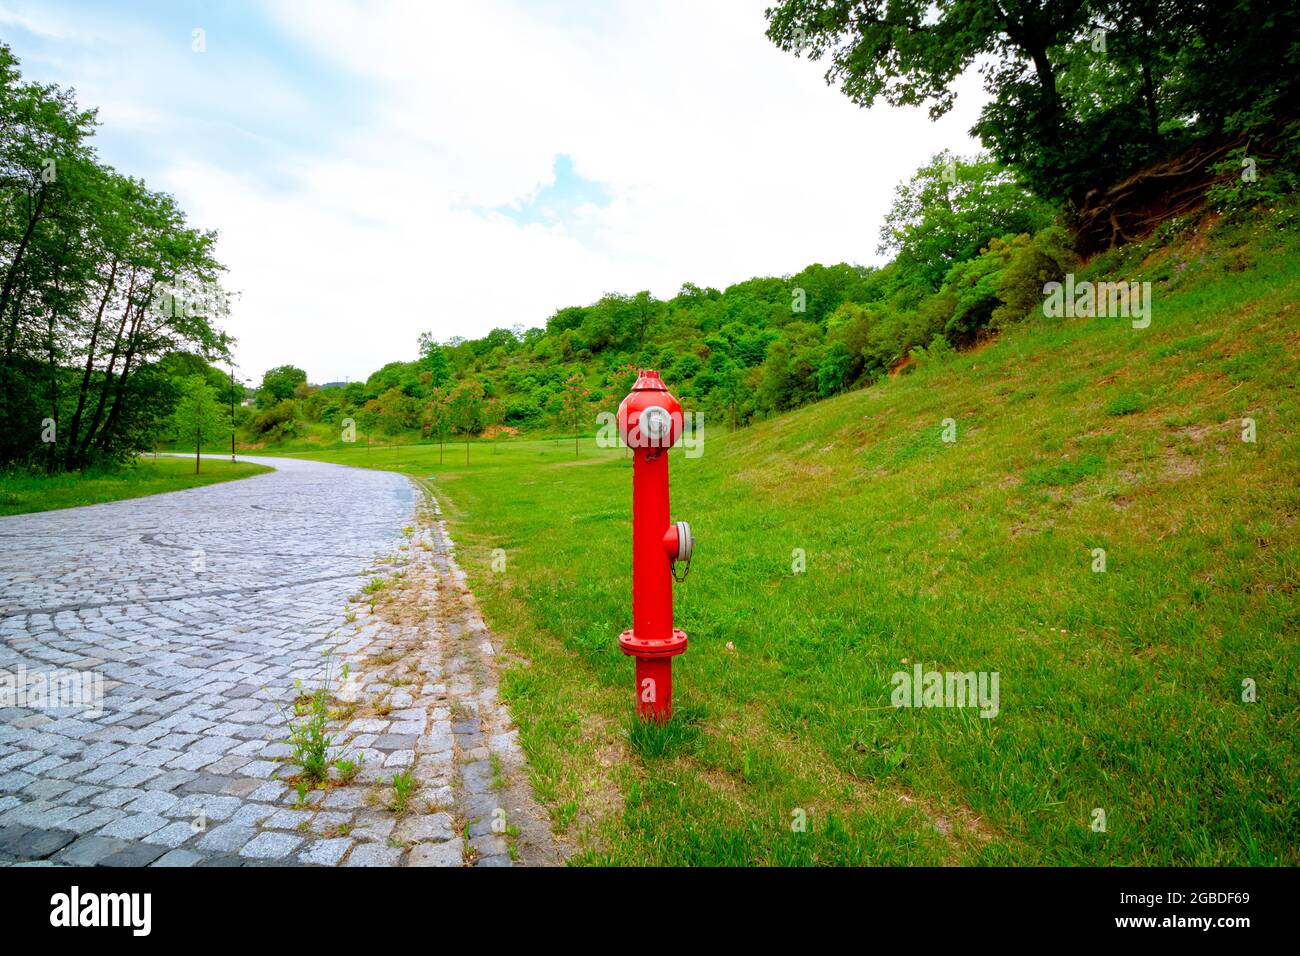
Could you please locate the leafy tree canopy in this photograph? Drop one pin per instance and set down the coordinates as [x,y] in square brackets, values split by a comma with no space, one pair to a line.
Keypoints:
[278,384]
[1082,91]
[950,209]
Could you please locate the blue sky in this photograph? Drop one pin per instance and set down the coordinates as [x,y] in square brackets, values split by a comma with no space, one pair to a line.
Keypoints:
[379,170]
[561,199]
[253,97]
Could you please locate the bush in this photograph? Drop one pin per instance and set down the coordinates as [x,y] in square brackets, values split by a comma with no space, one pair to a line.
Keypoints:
[523,411]
[1034,263]
[1002,285]
[1249,179]
[939,350]
[277,422]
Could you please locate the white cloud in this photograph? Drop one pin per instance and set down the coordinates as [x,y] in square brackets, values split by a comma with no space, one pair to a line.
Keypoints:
[725,157]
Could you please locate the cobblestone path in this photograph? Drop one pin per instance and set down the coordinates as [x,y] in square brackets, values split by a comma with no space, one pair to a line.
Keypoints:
[203,614]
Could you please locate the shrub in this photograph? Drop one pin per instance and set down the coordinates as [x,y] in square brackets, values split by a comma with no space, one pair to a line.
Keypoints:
[277,422]
[1002,285]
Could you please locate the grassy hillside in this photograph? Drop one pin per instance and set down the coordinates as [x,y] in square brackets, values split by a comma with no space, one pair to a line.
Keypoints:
[21,492]
[1120,690]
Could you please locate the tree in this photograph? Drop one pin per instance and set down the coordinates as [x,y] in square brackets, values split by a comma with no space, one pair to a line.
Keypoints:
[950,209]
[114,229]
[909,52]
[1081,91]
[466,407]
[279,384]
[199,415]
[437,420]
[394,412]
[574,403]
[276,423]
[101,278]
[776,391]
[434,358]
[494,413]
[834,370]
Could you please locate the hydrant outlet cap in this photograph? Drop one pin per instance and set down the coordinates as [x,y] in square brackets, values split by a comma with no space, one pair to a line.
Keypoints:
[685,541]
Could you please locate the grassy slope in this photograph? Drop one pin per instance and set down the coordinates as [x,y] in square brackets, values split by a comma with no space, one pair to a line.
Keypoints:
[1119,690]
[22,493]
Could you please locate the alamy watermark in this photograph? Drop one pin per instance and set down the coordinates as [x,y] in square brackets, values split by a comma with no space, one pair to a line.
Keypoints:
[53,690]
[1103,300]
[688,425]
[189,299]
[922,688]
[75,908]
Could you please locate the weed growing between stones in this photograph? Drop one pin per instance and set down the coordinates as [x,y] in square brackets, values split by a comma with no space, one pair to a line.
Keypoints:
[309,738]
[348,768]
[403,785]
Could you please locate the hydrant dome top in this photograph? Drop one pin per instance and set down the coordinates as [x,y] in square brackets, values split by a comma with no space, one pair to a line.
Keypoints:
[649,380]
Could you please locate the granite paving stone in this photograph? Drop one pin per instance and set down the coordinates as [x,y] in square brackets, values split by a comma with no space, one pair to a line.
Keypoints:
[198,617]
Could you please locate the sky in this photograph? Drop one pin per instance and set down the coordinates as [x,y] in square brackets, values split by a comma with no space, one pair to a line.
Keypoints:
[378,170]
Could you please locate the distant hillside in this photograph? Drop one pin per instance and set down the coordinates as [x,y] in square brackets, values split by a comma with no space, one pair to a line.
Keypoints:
[975,253]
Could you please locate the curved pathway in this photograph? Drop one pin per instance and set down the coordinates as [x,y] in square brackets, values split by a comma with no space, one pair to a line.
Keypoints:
[195,611]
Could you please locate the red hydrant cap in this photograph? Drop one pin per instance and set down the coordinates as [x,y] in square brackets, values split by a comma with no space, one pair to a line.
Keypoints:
[649,380]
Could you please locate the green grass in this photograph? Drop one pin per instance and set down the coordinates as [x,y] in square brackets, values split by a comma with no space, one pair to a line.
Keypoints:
[1120,690]
[321,437]
[22,492]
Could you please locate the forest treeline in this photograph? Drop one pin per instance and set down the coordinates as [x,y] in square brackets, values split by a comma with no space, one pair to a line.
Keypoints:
[1105,118]
[758,347]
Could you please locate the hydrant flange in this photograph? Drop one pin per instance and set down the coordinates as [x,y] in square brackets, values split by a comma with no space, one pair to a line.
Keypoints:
[633,646]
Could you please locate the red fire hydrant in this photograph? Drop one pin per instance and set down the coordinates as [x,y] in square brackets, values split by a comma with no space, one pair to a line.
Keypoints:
[650,422]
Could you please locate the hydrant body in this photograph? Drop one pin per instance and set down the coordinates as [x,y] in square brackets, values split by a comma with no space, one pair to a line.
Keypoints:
[650,422]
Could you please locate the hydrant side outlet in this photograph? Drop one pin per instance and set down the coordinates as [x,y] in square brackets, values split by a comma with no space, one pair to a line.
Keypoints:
[650,422]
